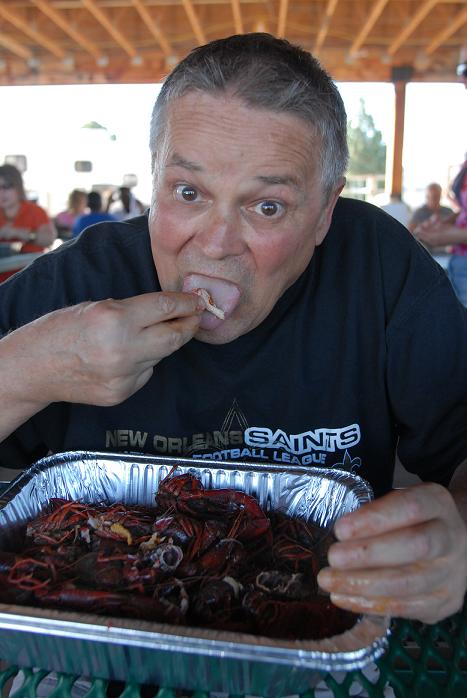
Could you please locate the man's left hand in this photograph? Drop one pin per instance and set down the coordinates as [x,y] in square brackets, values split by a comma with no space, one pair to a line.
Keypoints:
[403,555]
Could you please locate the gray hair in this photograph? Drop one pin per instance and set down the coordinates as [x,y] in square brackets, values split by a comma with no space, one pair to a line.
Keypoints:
[269,73]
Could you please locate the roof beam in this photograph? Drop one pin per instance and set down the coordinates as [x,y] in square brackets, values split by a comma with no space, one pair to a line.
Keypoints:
[412,25]
[157,33]
[237,15]
[282,19]
[14,47]
[452,26]
[324,28]
[20,23]
[194,21]
[61,22]
[376,11]
[108,26]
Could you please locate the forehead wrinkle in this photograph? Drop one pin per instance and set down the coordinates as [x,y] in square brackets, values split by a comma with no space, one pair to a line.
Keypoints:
[284,180]
[177,161]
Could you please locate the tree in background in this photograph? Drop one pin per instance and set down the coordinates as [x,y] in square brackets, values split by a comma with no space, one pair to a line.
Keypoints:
[366,147]
[97,126]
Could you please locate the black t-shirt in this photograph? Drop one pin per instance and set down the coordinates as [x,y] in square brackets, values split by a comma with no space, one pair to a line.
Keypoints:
[366,351]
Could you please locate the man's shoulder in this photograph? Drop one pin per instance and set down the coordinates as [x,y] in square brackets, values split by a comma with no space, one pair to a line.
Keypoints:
[107,239]
[365,237]
[362,219]
[112,259]
[422,209]
[446,210]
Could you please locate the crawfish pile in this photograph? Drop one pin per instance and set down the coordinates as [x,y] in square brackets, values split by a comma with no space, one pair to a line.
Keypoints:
[209,558]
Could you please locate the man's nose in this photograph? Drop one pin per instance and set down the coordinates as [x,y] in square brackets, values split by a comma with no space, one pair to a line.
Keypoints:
[221,234]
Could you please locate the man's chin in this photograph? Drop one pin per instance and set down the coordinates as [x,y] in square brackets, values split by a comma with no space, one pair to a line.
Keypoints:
[213,337]
[221,334]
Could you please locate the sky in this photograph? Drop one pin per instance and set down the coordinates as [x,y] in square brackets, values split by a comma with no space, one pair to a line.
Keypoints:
[45,123]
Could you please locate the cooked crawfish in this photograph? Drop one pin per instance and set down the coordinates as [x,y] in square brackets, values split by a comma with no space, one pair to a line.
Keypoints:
[200,557]
[111,603]
[71,522]
[186,495]
[313,618]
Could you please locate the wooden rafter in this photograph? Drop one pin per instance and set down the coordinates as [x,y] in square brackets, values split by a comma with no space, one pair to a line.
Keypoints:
[418,17]
[104,21]
[324,28]
[39,38]
[58,19]
[237,15]
[16,48]
[376,11]
[452,26]
[153,27]
[194,21]
[107,39]
[282,18]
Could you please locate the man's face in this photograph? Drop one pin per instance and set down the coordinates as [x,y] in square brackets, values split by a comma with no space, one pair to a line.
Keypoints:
[433,197]
[237,207]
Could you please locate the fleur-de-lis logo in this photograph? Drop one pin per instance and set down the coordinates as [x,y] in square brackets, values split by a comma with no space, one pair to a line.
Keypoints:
[348,463]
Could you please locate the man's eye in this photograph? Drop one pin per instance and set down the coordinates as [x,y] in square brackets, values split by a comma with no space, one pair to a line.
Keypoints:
[183,192]
[271,209]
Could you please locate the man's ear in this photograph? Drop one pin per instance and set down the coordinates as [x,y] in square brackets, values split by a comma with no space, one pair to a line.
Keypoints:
[328,211]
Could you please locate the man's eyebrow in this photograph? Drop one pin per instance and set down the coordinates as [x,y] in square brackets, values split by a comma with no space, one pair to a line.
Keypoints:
[177,161]
[287,180]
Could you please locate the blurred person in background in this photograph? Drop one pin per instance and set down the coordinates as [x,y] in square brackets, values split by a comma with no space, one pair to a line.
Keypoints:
[77,205]
[123,204]
[431,207]
[95,215]
[22,221]
[436,232]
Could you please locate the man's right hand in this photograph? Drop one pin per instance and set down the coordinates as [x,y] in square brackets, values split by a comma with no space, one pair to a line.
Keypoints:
[96,353]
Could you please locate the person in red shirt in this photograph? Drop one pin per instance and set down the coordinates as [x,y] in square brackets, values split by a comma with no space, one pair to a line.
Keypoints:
[22,220]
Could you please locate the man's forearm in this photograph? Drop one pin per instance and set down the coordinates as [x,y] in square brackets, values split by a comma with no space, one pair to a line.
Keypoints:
[444,235]
[18,399]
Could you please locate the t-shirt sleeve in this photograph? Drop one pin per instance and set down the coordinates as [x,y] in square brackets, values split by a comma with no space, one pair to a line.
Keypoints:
[427,382]
[418,216]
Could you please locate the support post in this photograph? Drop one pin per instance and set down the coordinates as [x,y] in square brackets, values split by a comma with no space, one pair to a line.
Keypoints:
[400,76]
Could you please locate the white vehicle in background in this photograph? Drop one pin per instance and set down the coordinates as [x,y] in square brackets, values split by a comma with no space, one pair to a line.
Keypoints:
[93,160]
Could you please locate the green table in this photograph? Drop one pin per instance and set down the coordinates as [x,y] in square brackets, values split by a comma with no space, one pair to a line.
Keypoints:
[422,662]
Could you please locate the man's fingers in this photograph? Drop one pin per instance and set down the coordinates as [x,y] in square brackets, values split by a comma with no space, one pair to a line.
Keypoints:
[429,608]
[158,341]
[398,509]
[424,541]
[396,582]
[151,308]
[403,555]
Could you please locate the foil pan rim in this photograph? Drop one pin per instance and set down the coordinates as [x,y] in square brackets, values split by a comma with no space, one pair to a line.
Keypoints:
[362,488]
[111,630]
[370,632]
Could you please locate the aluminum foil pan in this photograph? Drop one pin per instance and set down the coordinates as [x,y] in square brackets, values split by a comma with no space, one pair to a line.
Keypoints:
[166,655]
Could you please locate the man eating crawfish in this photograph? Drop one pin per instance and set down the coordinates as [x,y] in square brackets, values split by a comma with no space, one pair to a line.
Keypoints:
[342,343]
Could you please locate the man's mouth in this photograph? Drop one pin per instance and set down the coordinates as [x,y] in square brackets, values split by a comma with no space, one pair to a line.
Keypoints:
[224,294]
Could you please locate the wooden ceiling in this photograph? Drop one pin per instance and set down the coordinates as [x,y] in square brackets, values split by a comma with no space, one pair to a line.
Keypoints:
[121,41]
